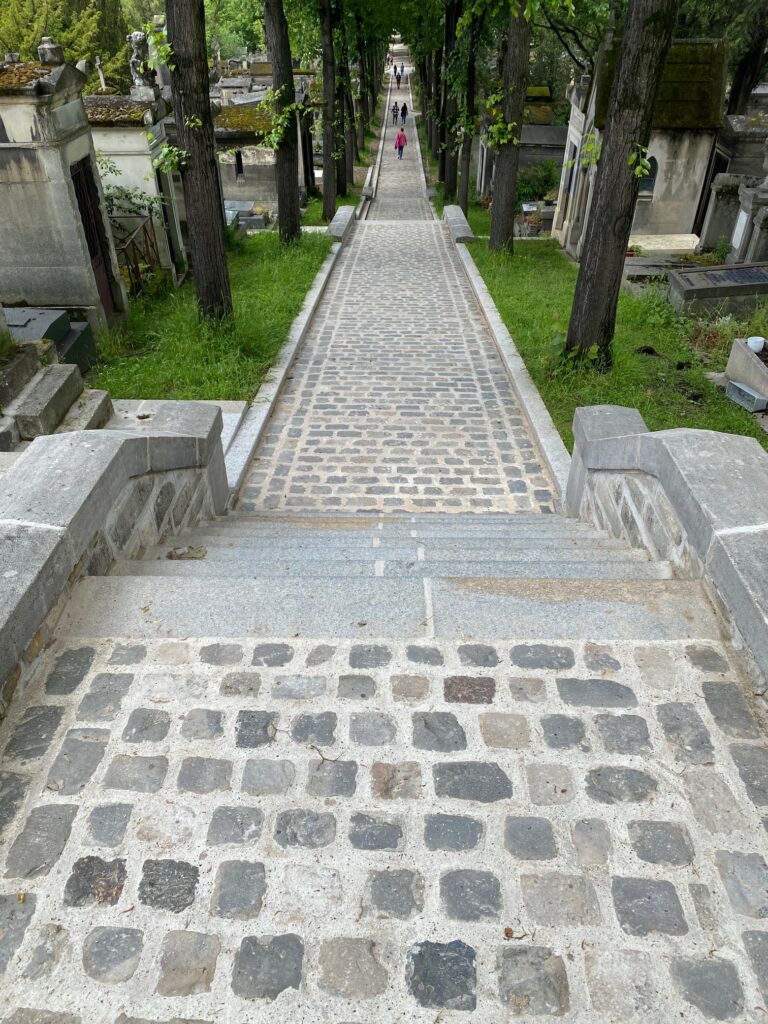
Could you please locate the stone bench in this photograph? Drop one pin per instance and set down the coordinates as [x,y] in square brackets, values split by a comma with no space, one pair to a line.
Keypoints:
[342,223]
[458,224]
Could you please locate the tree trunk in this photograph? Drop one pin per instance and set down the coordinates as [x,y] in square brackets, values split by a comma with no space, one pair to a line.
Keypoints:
[749,69]
[287,153]
[437,85]
[329,104]
[199,172]
[351,151]
[516,65]
[644,47]
[469,127]
[452,15]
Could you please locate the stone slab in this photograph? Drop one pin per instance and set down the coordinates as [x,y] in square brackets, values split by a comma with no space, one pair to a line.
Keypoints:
[458,224]
[42,404]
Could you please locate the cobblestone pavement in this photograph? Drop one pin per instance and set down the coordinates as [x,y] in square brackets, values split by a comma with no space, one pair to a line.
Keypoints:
[314,831]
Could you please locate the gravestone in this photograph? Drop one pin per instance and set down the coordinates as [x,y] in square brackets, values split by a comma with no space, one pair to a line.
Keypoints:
[735,289]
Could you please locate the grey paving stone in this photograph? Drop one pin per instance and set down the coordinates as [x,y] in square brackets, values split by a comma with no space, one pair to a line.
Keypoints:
[623,734]
[320,655]
[204,775]
[533,982]
[502,731]
[542,656]
[95,882]
[255,728]
[187,963]
[646,905]
[146,725]
[451,832]
[13,789]
[481,781]
[396,893]
[369,833]
[305,828]
[272,655]
[299,687]
[756,945]
[712,986]
[53,943]
[396,781]
[598,658]
[139,774]
[33,735]
[714,805]
[111,955]
[356,687]
[529,838]
[168,884]
[706,659]
[592,842]
[438,730]
[745,877]
[221,654]
[332,778]
[562,732]
[105,696]
[442,975]
[704,905]
[411,689]
[69,670]
[15,917]
[78,758]
[268,965]
[728,706]
[240,684]
[41,842]
[350,969]
[369,656]
[478,655]
[596,693]
[625,984]
[107,823]
[128,654]
[25,1015]
[372,728]
[421,654]
[560,900]
[610,785]
[549,784]
[318,729]
[202,724]
[470,895]
[239,890]
[235,825]
[469,689]
[661,842]
[528,690]
[752,763]
[264,777]
[686,733]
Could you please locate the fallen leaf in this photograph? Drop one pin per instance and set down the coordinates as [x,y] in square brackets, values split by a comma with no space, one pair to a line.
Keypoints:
[188,553]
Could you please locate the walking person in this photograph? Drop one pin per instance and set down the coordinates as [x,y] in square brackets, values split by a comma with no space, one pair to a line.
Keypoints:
[395,112]
[404,112]
[398,81]
[402,69]
[400,143]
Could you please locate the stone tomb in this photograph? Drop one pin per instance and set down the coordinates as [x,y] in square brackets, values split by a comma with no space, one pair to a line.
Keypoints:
[733,289]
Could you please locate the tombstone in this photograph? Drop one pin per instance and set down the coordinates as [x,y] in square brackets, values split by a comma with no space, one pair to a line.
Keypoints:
[57,248]
[736,289]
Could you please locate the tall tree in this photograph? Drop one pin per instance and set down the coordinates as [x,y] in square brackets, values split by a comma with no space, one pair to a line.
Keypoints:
[287,151]
[199,173]
[449,162]
[325,10]
[644,46]
[473,42]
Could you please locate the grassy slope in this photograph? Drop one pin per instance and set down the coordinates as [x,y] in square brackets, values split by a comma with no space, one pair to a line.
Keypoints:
[164,351]
[533,291]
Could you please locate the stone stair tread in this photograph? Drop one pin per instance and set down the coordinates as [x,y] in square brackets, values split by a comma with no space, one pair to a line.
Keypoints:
[7,459]
[91,410]
[43,403]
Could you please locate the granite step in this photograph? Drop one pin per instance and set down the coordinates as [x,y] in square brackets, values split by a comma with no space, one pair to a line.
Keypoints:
[91,410]
[44,402]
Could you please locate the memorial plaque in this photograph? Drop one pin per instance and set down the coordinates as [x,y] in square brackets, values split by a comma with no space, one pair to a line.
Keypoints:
[736,287]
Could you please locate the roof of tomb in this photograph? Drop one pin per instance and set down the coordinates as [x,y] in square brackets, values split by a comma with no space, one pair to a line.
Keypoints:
[117,111]
[34,78]
[244,119]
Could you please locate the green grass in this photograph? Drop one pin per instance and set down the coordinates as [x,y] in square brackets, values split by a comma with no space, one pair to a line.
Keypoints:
[313,214]
[478,215]
[534,290]
[164,351]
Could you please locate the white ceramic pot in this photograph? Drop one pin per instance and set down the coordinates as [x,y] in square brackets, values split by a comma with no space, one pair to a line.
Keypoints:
[756,343]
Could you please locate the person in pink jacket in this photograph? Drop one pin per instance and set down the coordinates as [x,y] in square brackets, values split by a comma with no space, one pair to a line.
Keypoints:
[400,143]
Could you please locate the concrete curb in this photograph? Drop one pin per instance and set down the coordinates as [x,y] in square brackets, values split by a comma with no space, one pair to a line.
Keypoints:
[422,173]
[382,140]
[251,429]
[551,444]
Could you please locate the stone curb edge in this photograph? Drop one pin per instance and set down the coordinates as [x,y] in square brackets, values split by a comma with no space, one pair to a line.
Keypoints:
[373,179]
[252,427]
[551,444]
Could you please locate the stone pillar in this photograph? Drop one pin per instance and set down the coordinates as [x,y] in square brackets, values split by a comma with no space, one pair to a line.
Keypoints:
[749,222]
[722,211]
[758,243]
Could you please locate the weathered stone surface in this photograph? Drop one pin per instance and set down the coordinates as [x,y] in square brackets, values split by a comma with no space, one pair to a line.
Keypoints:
[745,877]
[13,788]
[52,945]
[369,656]
[397,894]
[609,785]
[305,828]
[369,833]
[712,986]
[451,832]
[438,730]
[730,710]
[756,945]
[146,725]
[410,688]
[469,689]
[623,734]
[104,697]
[501,731]
[549,784]
[107,823]
[350,969]
[592,842]
[596,693]
[470,895]
[15,917]
[442,975]
[752,763]
[235,825]
[139,774]
[714,805]
[478,655]
[558,899]
[32,736]
[706,659]
[481,781]
[356,687]
[645,905]
[533,981]
[372,728]
[28,1016]
[528,691]
[272,655]
[542,656]
[95,882]
[332,778]
[704,905]
[626,985]
[128,654]
[78,758]
[561,732]
[318,729]
[204,775]
[187,963]
[221,654]
[529,838]
[320,655]
[263,777]
[396,781]
[268,965]
[69,670]
[421,654]
[239,890]
[202,724]
[299,687]
[661,842]
[168,884]
[41,842]
[255,728]
[111,955]
[240,684]
[600,659]
[686,733]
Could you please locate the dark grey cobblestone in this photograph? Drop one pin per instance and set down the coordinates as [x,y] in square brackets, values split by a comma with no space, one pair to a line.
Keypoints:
[41,842]
[686,733]
[78,758]
[69,670]
[112,955]
[320,655]
[255,728]
[202,724]
[105,696]
[168,884]
[147,725]
[305,828]
[204,775]
[623,734]
[107,824]
[533,981]
[470,895]
[438,730]
[529,838]
[221,654]
[356,687]
[369,656]
[13,789]
[442,975]
[661,842]
[372,728]
[187,963]
[645,905]
[239,890]
[451,832]
[265,777]
[265,966]
[397,894]
[756,945]
[138,774]
[478,655]
[128,654]
[318,729]
[745,877]
[483,782]
[369,833]
[240,684]
[609,785]
[272,655]
[730,710]
[469,689]
[332,778]
[596,693]
[424,655]
[33,735]
[542,656]
[16,917]
[235,825]
[706,659]
[95,882]
[561,732]
[712,986]
[752,764]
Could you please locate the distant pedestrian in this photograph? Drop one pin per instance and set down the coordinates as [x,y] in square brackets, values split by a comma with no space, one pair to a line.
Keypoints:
[395,112]
[404,112]
[398,81]
[400,143]
[402,69]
